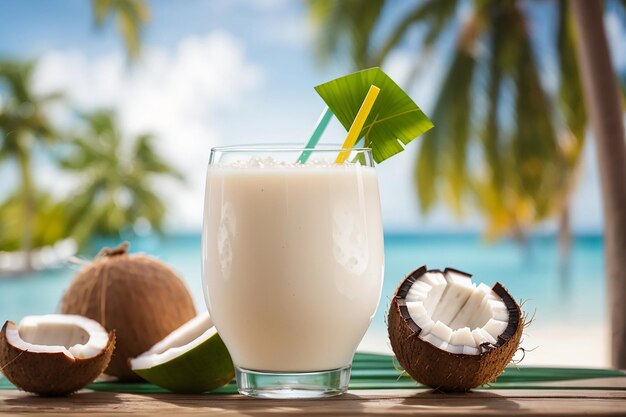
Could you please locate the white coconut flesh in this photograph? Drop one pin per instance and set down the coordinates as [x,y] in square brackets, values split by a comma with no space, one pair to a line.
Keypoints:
[454,314]
[77,337]
[185,338]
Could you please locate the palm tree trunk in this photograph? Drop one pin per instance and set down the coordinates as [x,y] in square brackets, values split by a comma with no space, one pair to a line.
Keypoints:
[28,209]
[605,114]
[565,249]
[565,234]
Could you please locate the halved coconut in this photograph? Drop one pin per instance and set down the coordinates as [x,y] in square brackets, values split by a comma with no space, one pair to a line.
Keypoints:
[191,359]
[55,354]
[451,334]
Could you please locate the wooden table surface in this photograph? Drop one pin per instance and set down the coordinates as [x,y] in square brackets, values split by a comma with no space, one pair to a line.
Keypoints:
[605,396]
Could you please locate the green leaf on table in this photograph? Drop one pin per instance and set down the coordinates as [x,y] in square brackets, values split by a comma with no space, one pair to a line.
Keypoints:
[395,119]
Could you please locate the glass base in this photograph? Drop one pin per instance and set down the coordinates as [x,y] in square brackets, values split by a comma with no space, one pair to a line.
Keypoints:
[292,385]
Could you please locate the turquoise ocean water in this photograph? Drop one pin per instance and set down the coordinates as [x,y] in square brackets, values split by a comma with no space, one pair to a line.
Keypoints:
[557,294]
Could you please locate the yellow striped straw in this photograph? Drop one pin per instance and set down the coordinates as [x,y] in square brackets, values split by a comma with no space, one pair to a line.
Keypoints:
[357,125]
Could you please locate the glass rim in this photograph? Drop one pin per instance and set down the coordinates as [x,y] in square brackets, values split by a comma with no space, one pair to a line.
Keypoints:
[287,147]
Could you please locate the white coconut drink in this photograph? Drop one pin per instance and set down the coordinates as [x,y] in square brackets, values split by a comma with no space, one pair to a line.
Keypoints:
[450,333]
[55,354]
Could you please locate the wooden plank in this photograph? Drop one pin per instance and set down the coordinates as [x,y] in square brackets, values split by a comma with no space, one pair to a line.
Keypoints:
[376,402]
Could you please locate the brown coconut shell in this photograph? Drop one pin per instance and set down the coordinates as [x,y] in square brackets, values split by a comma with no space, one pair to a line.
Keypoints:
[50,374]
[138,296]
[445,371]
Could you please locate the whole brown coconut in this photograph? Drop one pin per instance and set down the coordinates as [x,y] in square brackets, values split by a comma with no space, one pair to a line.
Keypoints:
[441,369]
[139,297]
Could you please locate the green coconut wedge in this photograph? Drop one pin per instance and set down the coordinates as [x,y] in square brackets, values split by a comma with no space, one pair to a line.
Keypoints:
[191,359]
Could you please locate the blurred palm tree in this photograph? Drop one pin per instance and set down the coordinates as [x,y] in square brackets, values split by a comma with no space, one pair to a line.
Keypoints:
[23,123]
[117,188]
[607,120]
[503,142]
[130,17]
[49,222]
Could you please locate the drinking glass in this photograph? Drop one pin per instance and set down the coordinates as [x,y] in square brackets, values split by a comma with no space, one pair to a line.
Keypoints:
[292,257]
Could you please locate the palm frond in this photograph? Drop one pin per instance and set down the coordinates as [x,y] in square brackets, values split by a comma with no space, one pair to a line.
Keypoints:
[130,17]
[345,25]
[434,14]
[571,99]
[491,183]
[146,204]
[328,17]
[442,158]
[524,141]
[16,76]
[147,160]
[443,151]
[535,137]
[101,10]
[116,187]
[49,222]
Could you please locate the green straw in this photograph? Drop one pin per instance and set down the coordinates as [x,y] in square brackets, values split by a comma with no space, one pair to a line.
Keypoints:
[322,122]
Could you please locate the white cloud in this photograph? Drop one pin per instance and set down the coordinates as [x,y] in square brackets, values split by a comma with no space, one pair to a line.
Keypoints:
[174,94]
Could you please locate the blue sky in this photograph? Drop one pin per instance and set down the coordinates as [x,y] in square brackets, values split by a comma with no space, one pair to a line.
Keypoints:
[222,72]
